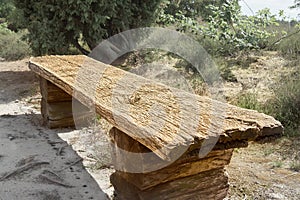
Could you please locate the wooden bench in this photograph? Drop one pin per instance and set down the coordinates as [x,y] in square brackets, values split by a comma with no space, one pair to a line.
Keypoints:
[158,130]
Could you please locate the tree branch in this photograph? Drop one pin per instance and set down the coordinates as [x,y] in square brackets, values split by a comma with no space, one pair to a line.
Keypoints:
[80,48]
[282,38]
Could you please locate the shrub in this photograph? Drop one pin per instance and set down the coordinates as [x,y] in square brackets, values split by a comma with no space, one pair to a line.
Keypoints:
[225,69]
[295,166]
[249,101]
[222,26]
[286,40]
[12,47]
[213,47]
[285,106]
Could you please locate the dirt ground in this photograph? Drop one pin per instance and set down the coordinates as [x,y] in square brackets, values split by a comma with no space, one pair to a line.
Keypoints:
[264,171]
[38,163]
[35,162]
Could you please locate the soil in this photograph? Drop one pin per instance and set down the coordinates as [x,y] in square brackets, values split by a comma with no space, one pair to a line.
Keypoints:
[270,170]
[258,74]
[38,163]
[262,171]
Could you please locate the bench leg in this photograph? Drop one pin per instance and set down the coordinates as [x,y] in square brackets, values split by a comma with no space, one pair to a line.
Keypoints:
[189,177]
[56,106]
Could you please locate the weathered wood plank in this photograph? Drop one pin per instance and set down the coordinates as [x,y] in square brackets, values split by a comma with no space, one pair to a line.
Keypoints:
[159,117]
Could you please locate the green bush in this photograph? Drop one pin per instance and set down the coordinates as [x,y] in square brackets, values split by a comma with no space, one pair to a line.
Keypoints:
[213,47]
[12,47]
[295,166]
[223,28]
[286,40]
[285,106]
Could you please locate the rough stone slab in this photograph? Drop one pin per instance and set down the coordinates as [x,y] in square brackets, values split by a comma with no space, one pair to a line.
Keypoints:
[57,106]
[51,93]
[207,185]
[186,165]
[160,117]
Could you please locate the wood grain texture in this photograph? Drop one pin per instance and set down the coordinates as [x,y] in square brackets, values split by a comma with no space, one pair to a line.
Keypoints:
[159,117]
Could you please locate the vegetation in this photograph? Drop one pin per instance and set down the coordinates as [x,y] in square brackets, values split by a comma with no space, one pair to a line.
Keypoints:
[54,26]
[295,166]
[286,39]
[290,46]
[286,104]
[74,26]
[222,26]
[12,47]
[296,4]
[6,7]
[249,101]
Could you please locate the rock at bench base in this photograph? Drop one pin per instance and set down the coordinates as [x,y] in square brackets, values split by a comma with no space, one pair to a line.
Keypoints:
[211,184]
[135,169]
[57,106]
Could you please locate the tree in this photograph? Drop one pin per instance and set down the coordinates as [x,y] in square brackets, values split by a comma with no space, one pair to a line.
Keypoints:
[296,4]
[6,7]
[185,14]
[222,22]
[190,8]
[54,26]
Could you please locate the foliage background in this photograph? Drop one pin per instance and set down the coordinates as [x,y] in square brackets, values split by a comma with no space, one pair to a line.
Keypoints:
[30,27]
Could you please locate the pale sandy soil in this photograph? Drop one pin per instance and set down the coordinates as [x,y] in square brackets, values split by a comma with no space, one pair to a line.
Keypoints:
[35,163]
[261,171]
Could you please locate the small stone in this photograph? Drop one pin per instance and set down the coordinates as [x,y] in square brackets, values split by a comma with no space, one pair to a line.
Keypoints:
[277,196]
[10,137]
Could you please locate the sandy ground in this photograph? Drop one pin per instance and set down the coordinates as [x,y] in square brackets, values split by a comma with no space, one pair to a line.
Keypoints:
[257,77]
[38,163]
[264,171]
[35,162]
